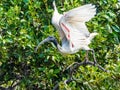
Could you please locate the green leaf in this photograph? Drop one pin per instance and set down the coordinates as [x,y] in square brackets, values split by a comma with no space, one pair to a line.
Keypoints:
[26,1]
[109,28]
[115,28]
[56,71]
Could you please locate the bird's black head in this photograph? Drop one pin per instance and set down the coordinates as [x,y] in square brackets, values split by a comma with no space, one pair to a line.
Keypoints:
[53,39]
[48,39]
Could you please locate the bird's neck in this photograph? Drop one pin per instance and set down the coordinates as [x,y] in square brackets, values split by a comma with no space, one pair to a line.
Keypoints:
[58,46]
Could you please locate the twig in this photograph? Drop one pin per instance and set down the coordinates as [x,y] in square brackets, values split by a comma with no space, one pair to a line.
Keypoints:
[75,66]
[56,87]
[85,63]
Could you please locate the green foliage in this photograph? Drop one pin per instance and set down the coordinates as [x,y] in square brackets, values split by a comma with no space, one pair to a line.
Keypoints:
[24,23]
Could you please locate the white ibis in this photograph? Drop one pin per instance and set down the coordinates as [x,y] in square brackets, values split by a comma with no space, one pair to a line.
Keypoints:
[72,29]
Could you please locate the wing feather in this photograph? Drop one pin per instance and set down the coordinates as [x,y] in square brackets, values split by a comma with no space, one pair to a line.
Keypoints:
[78,16]
[72,23]
[81,14]
[72,35]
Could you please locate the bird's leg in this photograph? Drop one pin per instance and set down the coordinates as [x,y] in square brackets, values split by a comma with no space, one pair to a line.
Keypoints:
[93,53]
[86,56]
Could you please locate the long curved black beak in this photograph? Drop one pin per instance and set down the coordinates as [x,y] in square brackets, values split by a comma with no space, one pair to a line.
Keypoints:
[42,42]
[48,39]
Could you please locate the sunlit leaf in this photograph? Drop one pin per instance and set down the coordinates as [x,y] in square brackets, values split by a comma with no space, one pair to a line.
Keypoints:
[116,28]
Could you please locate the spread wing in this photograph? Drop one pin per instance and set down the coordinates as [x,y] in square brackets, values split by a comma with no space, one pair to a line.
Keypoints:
[73,23]
[72,34]
[81,14]
[78,16]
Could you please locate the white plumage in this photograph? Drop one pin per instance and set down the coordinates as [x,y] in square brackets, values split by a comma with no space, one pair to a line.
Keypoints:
[72,29]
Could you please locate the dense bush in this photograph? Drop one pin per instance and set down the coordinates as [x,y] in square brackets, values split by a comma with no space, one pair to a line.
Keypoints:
[24,23]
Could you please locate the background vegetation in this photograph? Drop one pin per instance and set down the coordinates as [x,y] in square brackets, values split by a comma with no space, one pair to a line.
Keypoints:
[24,23]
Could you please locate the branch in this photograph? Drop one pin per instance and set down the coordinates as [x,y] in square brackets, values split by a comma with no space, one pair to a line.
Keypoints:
[85,63]
[56,87]
[74,66]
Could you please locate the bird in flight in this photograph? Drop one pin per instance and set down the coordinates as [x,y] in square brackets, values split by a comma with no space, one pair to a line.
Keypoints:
[72,29]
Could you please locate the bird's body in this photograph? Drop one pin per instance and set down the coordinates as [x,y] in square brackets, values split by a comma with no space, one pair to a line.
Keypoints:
[72,29]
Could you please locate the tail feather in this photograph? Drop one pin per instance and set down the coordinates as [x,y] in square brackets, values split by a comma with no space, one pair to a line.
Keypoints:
[92,35]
